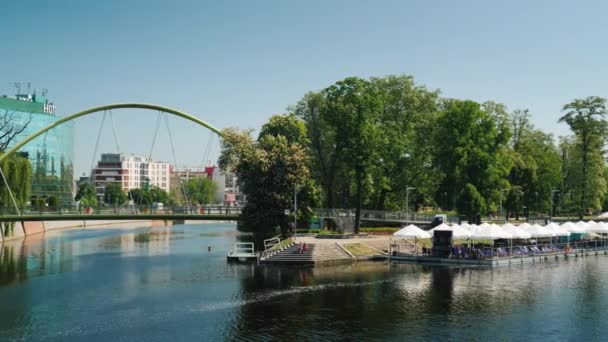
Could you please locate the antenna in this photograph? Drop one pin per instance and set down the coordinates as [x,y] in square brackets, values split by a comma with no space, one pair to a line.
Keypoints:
[18,86]
[28,87]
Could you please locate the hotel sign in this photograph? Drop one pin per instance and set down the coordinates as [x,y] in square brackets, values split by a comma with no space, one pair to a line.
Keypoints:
[49,108]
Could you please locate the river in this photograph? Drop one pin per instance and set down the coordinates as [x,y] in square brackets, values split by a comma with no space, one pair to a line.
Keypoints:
[162,284]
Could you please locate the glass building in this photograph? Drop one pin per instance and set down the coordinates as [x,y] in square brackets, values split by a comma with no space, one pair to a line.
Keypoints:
[51,153]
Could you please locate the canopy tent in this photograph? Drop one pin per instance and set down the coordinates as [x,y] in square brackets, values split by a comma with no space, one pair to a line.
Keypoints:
[516,232]
[524,225]
[557,229]
[600,228]
[574,228]
[412,231]
[490,232]
[538,231]
[457,231]
[603,216]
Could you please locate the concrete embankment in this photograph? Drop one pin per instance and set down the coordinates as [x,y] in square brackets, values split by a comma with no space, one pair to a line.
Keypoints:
[21,229]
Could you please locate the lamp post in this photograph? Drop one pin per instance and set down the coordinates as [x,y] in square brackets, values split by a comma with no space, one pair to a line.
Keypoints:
[407,203]
[552,212]
[500,208]
[295,211]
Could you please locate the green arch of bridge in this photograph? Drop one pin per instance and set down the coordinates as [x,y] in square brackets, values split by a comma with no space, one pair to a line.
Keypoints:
[109,107]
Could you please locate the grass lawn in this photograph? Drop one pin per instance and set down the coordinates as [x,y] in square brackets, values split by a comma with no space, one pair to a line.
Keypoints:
[358,249]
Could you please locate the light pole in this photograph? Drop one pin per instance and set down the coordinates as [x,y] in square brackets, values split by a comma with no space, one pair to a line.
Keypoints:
[552,212]
[295,211]
[500,211]
[407,203]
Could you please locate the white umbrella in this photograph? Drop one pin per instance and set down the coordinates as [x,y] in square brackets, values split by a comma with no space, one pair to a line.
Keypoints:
[490,232]
[412,231]
[538,231]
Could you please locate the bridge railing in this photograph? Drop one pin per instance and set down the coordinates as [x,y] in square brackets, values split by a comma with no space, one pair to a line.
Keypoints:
[381,215]
[121,210]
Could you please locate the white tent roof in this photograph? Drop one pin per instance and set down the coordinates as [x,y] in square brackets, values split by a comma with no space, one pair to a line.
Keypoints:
[538,231]
[412,231]
[597,227]
[603,216]
[573,228]
[524,225]
[457,231]
[490,232]
[516,232]
[559,231]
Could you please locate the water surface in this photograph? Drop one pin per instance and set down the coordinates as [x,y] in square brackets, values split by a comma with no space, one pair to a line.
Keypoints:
[162,284]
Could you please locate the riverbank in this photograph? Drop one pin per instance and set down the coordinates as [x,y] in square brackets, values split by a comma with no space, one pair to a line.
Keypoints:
[17,230]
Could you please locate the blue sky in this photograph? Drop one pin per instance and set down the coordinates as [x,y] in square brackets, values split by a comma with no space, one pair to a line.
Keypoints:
[235,63]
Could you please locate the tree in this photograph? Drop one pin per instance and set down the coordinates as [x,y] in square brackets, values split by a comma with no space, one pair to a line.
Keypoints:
[326,163]
[471,203]
[405,156]
[159,195]
[200,190]
[11,126]
[586,119]
[141,196]
[536,169]
[114,194]
[267,170]
[87,195]
[17,170]
[470,149]
[353,108]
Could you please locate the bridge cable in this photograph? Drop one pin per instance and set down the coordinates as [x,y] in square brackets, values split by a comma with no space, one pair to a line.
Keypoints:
[207,149]
[114,131]
[154,137]
[175,159]
[103,119]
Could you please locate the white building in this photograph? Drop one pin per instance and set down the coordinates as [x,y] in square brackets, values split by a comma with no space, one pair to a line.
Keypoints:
[131,172]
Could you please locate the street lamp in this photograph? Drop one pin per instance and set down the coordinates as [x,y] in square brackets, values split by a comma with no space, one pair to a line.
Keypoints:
[552,194]
[407,203]
[500,211]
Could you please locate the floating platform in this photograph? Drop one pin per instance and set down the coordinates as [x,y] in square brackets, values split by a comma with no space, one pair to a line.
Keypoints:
[242,252]
[496,261]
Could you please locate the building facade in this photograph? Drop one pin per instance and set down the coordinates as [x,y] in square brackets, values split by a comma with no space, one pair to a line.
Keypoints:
[131,171]
[51,153]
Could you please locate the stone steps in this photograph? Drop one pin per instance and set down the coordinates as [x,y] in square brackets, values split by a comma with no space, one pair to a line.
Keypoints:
[315,253]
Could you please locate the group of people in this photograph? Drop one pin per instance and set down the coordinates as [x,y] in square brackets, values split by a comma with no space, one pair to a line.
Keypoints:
[302,248]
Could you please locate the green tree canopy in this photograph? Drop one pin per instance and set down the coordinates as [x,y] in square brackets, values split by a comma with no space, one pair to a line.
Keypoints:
[200,190]
[114,194]
[586,118]
[87,195]
[267,171]
[470,148]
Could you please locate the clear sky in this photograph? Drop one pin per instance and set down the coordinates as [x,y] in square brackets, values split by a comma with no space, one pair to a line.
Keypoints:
[235,63]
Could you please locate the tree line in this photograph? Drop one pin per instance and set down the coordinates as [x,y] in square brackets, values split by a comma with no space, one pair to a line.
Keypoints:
[369,143]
